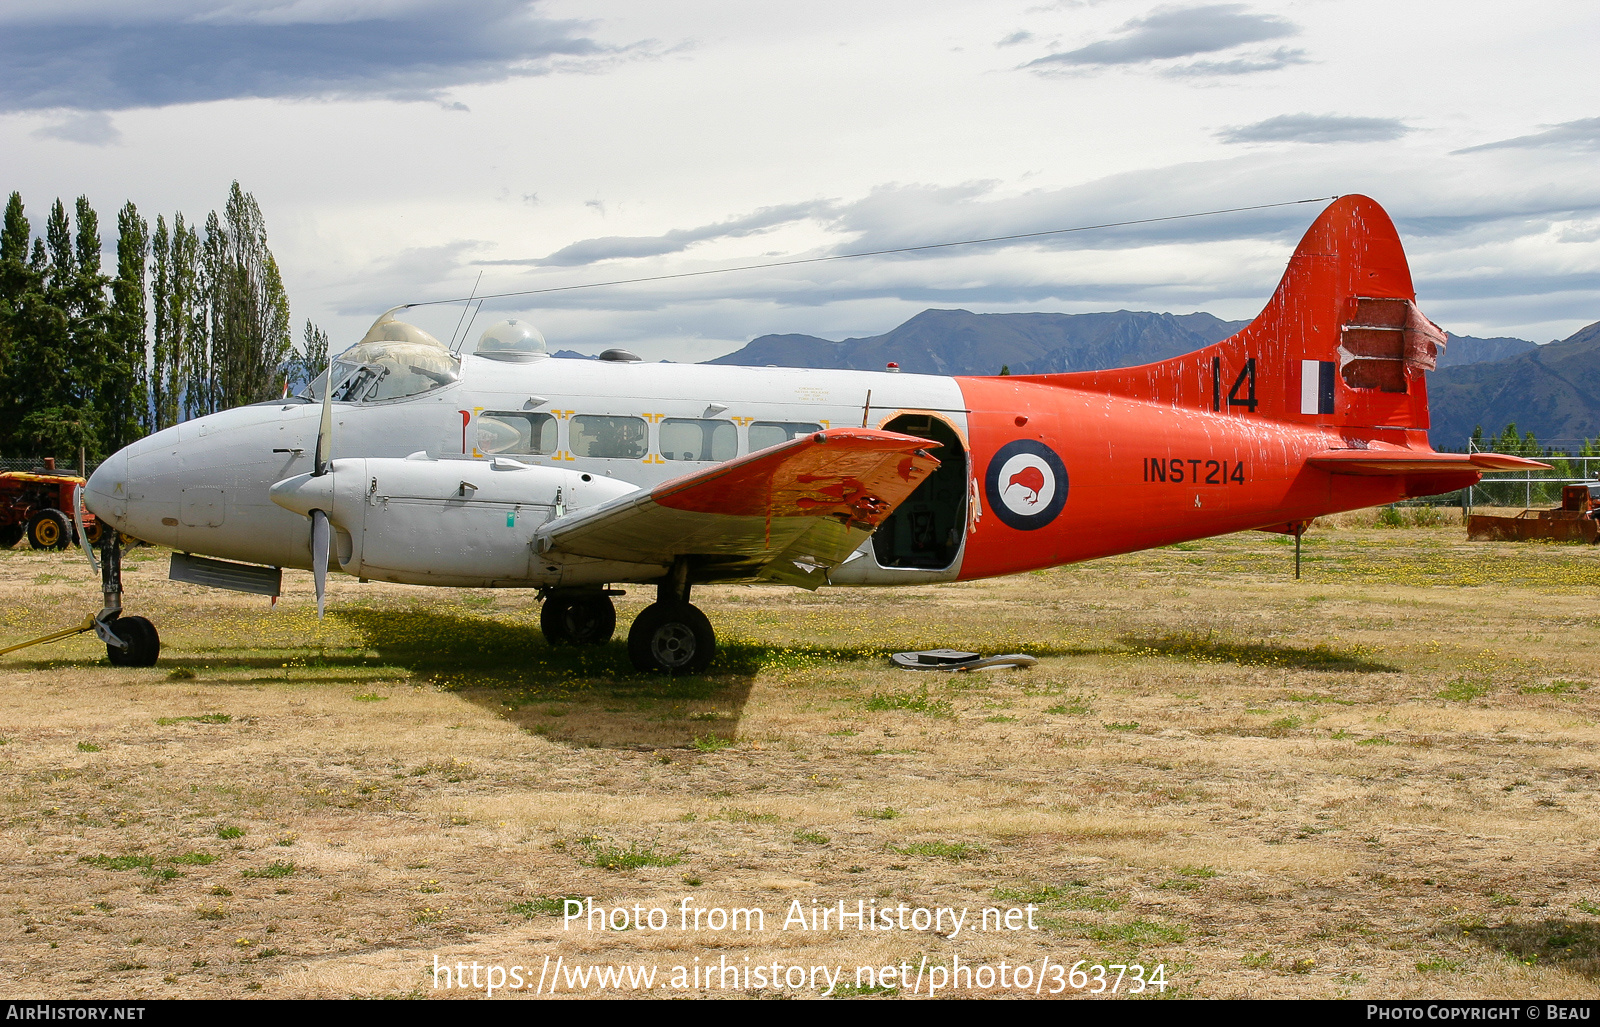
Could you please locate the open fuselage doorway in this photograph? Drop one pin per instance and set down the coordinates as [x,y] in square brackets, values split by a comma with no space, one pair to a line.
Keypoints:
[925,531]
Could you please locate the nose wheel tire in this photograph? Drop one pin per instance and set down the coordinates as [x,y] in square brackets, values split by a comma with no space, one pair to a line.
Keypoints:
[578,620]
[144,644]
[48,529]
[671,638]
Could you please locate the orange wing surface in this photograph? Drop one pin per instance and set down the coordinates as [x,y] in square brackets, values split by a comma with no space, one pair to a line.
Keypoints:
[789,513]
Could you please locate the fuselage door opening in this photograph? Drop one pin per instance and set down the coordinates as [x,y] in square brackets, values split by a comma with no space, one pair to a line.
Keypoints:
[925,532]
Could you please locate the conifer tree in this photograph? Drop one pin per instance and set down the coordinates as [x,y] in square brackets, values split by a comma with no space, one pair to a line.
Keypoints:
[17,281]
[50,422]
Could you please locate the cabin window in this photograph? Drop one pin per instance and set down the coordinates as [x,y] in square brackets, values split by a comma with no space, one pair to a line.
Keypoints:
[770,433]
[596,435]
[516,432]
[685,439]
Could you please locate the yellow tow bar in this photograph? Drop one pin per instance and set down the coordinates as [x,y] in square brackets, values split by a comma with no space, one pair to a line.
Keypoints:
[87,625]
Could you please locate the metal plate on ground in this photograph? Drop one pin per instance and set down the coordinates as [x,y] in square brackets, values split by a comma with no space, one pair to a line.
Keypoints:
[957,660]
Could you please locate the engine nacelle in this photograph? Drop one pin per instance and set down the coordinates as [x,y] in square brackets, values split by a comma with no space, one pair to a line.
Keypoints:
[446,522]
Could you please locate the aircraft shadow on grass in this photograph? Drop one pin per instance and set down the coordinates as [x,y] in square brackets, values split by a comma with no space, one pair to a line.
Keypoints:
[1568,944]
[1213,648]
[591,695]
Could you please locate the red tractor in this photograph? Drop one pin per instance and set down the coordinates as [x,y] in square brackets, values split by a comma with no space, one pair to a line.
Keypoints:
[38,505]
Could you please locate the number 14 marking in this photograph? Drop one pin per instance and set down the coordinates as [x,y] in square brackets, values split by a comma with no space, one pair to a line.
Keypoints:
[1245,381]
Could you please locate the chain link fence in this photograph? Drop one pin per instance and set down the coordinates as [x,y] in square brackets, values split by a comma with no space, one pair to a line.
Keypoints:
[35,464]
[1526,490]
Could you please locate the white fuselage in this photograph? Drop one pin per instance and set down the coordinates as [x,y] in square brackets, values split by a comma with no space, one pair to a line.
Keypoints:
[202,486]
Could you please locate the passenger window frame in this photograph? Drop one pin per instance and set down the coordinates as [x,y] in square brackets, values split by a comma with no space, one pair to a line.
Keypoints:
[529,415]
[750,447]
[708,440]
[571,436]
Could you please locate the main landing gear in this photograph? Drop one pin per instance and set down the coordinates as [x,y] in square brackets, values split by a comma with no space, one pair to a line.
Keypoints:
[583,618]
[670,636]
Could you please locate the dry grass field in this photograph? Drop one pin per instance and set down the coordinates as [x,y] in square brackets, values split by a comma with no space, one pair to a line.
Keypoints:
[1382,780]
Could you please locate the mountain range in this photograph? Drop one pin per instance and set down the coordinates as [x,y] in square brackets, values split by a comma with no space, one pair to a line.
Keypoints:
[1552,390]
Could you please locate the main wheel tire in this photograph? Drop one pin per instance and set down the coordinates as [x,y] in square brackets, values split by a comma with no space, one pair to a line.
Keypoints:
[10,535]
[578,620]
[671,638]
[48,529]
[144,643]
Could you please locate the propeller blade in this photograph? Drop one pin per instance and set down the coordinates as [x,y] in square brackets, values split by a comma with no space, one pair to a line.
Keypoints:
[324,456]
[320,534]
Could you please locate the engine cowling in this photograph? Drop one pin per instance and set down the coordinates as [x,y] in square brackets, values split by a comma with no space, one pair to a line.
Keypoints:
[445,522]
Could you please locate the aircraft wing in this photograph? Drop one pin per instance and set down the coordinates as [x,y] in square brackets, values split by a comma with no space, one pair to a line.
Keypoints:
[1404,461]
[789,513]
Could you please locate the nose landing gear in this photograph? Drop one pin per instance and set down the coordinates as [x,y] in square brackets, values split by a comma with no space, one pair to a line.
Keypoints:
[130,641]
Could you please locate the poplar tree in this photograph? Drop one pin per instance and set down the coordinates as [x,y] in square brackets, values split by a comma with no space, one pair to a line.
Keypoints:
[124,394]
[81,368]
[303,367]
[206,320]
[250,310]
[89,326]
[163,404]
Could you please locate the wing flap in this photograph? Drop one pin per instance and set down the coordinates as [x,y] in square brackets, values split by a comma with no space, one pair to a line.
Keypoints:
[1372,462]
[790,511]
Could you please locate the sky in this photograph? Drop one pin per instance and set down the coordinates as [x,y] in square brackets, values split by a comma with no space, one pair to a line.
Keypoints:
[406,150]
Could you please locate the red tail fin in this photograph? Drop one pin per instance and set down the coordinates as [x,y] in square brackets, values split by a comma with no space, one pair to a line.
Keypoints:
[1340,343]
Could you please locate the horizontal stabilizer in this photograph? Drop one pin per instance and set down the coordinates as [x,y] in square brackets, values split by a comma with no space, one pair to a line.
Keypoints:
[787,513]
[1405,461]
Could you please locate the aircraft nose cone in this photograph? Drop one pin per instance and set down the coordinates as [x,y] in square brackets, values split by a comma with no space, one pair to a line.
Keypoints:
[106,494]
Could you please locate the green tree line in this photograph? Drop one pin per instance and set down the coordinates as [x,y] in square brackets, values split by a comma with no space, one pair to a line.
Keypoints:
[194,320]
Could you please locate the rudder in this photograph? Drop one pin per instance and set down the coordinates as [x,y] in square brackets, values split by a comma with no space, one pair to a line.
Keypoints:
[1341,342]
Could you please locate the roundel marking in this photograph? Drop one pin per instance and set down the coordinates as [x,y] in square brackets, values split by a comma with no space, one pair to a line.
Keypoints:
[1026,484]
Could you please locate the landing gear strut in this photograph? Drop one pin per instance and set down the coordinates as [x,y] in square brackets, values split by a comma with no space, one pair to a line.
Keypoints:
[586,618]
[130,641]
[670,636]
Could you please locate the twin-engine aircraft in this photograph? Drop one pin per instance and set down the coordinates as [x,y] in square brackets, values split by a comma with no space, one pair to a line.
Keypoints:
[504,469]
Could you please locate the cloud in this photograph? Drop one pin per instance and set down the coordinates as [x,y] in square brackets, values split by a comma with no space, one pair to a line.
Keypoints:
[589,251]
[93,128]
[1019,36]
[114,56]
[1169,33]
[1583,134]
[1270,61]
[1316,128]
